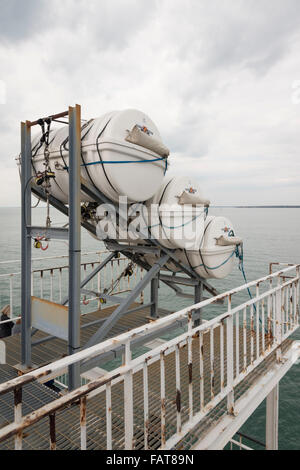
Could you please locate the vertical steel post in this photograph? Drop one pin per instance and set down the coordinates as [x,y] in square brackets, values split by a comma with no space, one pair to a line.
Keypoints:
[272,419]
[278,322]
[154,297]
[25,244]
[197,299]
[74,241]
[229,359]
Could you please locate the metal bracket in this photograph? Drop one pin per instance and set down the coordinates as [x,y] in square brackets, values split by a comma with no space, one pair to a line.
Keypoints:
[58,233]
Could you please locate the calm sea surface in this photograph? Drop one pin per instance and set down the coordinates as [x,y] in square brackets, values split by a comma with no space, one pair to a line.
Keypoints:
[268,234]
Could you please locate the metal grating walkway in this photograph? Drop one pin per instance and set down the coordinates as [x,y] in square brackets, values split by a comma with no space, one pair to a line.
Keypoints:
[56,348]
[67,421]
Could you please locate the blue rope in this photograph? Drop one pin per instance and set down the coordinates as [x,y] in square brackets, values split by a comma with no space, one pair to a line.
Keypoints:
[124,161]
[240,256]
[215,267]
[178,226]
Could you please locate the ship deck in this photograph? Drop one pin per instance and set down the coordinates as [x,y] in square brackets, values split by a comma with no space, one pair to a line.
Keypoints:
[67,428]
[56,348]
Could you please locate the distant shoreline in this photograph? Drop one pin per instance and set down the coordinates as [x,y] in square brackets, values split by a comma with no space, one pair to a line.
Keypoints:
[256,207]
[212,207]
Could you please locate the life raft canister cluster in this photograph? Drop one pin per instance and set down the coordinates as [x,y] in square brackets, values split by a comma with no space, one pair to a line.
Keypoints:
[123,154]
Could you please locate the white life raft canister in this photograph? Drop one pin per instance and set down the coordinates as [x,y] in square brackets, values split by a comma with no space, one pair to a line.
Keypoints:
[215,258]
[178,213]
[175,216]
[122,155]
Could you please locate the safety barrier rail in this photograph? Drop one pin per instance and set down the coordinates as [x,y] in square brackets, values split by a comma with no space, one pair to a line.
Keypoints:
[51,282]
[181,380]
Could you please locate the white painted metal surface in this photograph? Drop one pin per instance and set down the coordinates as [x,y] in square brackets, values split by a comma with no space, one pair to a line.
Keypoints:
[221,434]
[49,317]
[272,406]
[105,157]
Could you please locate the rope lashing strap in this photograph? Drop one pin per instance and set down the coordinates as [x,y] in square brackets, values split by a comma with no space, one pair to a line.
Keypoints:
[240,255]
[177,226]
[123,161]
[215,267]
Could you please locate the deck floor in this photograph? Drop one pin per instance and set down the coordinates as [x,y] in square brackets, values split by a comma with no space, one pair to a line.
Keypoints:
[56,348]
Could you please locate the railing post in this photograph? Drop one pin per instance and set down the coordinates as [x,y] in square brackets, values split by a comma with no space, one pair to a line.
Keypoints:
[272,419]
[74,241]
[83,423]
[128,401]
[18,416]
[52,431]
[278,322]
[229,350]
[297,297]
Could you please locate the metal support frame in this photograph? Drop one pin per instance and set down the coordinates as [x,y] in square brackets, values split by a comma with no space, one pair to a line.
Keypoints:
[154,297]
[100,295]
[74,241]
[73,234]
[272,419]
[121,309]
[198,297]
[76,185]
[96,195]
[26,244]
[58,233]
[90,276]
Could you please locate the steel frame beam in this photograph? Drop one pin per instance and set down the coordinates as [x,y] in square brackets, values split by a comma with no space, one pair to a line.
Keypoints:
[104,296]
[185,281]
[58,205]
[272,402]
[26,178]
[74,242]
[119,311]
[132,248]
[58,233]
[198,297]
[154,297]
[92,274]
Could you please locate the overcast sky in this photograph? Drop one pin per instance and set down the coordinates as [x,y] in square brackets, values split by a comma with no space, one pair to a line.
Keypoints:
[221,79]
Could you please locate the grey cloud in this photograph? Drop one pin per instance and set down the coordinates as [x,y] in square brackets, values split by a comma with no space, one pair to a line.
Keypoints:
[245,33]
[198,68]
[21,19]
[256,37]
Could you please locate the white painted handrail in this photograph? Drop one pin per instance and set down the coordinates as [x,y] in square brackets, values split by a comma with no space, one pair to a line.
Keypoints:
[270,317]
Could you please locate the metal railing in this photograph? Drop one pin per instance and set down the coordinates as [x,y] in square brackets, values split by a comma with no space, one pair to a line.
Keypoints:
[52,282]
[240,444]
[215,357]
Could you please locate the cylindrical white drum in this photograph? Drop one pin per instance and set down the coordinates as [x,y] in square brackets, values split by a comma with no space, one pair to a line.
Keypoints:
[175,216]
[122,155]
[215,258]
[178,213]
